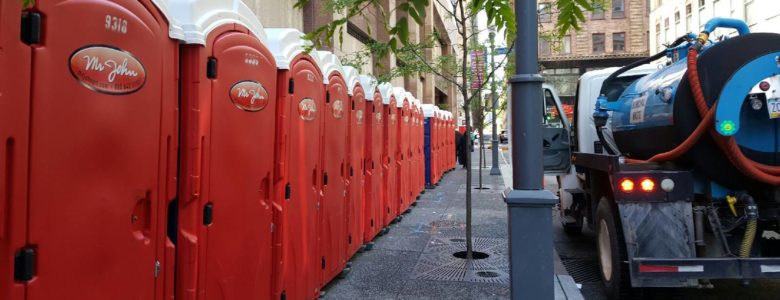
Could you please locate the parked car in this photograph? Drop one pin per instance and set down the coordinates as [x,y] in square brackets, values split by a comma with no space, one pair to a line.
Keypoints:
[502,137]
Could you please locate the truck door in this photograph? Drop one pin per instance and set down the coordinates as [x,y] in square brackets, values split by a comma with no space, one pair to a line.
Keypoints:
[555,134]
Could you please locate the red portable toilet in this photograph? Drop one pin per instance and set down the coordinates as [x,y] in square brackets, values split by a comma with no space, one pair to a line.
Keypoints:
[228,110]
[402,158]
[298,171]
[335,142]
[356,157]
[15,62]
[89,148]
[372,208]
[390,170]
[413,151]
[419,155]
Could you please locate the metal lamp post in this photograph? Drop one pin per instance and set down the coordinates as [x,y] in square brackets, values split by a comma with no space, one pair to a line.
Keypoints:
[529,205]
[494,99]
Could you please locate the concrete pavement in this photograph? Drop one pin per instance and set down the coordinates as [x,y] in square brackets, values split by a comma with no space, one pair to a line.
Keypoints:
[414,260]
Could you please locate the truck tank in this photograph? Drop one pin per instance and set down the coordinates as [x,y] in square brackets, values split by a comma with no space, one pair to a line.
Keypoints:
[657,112]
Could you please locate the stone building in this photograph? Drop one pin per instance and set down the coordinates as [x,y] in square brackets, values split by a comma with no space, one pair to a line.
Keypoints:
[614,35]
[360,31]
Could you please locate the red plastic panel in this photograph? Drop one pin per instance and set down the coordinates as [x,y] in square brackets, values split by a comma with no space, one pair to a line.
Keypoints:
[357,169]
[15,61]
[390,200]
[299,118]
[228,130]
[102,144]
[373,208]
[333,211]
[402,154]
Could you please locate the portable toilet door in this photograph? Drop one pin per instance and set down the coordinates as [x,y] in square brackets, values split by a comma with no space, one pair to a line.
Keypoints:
[390,170]
[357,169]
[372,208]
[102,148]
[226,164]
[298,171]
[412,152]
[15,63]
[402,99]
[419,158]
[333,208]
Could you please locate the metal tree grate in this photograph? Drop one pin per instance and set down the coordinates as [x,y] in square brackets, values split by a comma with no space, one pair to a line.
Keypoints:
[583,270]
[438,263]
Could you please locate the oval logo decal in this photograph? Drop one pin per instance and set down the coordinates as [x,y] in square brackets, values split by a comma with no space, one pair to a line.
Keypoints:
[249,95]
[107,70]
[307,109]
[359,117]
[378,117]
[338,109]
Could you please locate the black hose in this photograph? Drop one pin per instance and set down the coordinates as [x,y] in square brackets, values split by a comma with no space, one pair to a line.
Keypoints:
[640,62]
[604,143]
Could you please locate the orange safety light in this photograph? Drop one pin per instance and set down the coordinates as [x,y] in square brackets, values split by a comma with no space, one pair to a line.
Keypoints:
[648,185]
[627,185]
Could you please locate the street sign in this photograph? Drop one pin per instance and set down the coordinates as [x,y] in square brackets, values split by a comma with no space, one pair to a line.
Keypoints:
[502,51]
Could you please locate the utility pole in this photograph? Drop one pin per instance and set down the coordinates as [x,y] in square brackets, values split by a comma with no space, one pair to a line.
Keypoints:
[494,99]
[529,205]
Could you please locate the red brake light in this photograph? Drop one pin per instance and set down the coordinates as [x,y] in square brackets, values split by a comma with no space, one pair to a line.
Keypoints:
[764,86]
[648,185]
[627,185]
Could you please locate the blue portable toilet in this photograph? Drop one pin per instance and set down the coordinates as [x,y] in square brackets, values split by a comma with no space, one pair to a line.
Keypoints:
[428,110]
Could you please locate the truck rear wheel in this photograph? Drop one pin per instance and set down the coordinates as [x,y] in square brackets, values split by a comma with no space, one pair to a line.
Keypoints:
[613,258]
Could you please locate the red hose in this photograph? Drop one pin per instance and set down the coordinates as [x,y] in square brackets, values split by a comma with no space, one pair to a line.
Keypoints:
[757,171]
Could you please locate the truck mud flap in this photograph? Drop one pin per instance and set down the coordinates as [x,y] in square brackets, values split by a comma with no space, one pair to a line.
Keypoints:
[658,230]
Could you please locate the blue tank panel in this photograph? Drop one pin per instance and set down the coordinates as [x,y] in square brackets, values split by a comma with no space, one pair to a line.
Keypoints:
[649,101]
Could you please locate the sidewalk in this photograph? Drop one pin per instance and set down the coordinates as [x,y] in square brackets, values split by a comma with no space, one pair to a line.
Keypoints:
[414,260]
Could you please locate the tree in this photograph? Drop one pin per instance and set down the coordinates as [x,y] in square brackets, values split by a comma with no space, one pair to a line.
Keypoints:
[452,69]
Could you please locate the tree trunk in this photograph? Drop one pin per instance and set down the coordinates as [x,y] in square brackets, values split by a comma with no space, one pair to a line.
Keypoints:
[469,246]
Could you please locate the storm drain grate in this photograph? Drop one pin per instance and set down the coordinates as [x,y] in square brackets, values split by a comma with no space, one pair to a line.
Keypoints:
[583,270]
[438,263]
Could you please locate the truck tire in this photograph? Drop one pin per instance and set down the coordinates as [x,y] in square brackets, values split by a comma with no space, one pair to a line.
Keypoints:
[613,258]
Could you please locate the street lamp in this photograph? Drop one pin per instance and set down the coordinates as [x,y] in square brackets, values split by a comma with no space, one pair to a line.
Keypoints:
[494,99]
[529,205]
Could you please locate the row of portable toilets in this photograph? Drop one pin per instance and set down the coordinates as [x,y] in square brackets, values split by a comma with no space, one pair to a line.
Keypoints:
[177,149]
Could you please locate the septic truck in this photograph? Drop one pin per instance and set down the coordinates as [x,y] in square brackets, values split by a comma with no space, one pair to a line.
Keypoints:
[677,167]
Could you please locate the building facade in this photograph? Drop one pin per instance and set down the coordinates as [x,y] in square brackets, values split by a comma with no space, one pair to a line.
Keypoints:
[613,35]
[360,31]
[670,19]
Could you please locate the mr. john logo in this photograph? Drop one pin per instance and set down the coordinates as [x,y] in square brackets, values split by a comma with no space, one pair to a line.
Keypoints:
[307,109]
[249,95]
[338,109]
[359,117]
[107,70]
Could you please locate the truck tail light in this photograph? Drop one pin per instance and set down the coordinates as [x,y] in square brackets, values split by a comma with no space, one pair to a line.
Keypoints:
[627,185]
[648,185]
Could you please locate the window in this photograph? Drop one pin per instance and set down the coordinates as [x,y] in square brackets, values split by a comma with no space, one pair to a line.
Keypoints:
[749,14]
[677,17]
[618,9]
[702,3]
[598,12]
[544,47]
[545,12]
[688,18]
[566,49]
[598,43]
[552,116]
[666,30]
[619,42]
